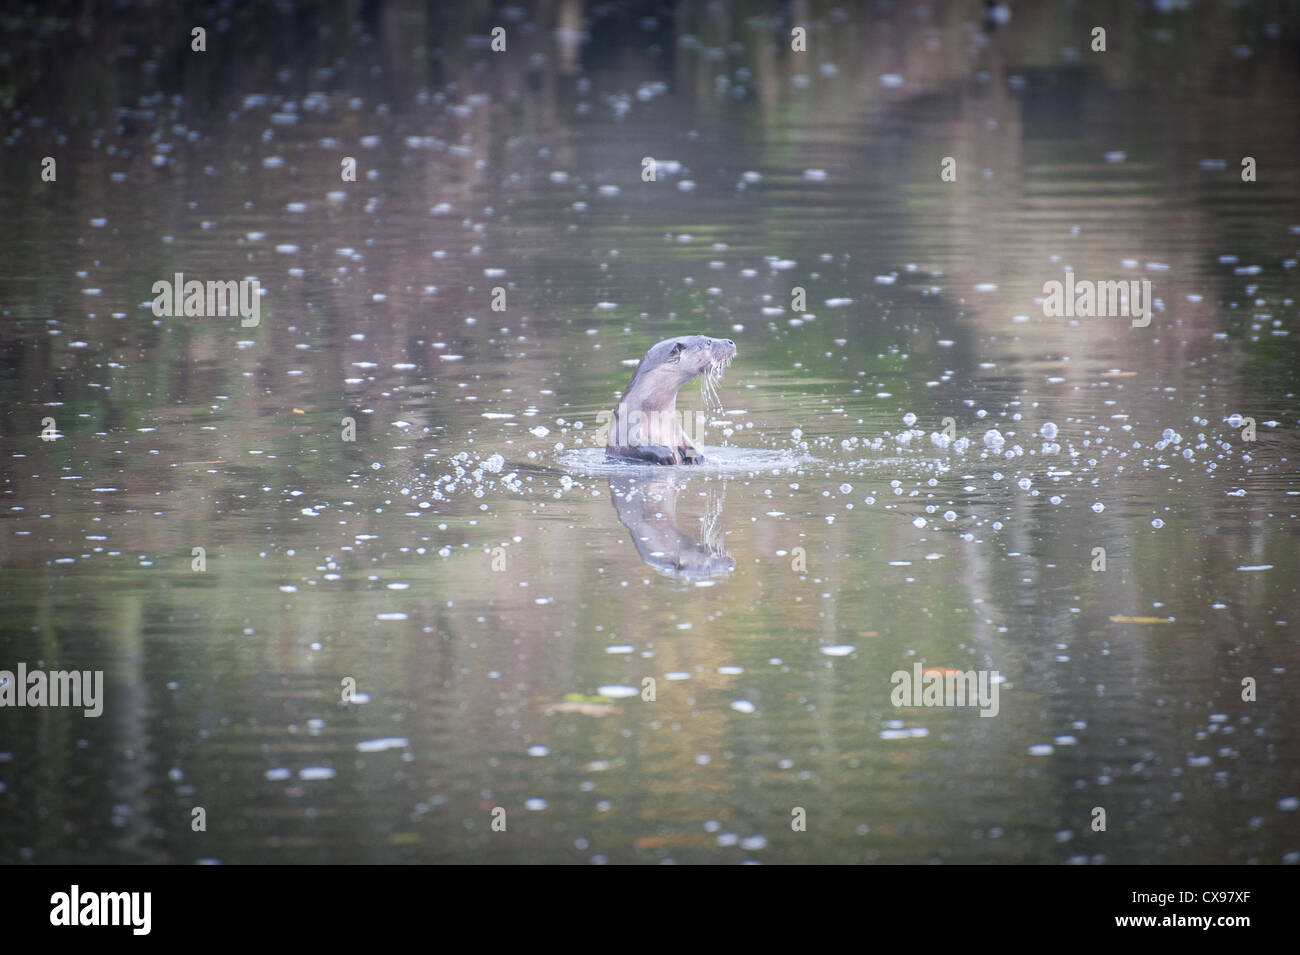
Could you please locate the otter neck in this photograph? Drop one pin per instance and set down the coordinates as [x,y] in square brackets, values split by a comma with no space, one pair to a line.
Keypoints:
[656,400]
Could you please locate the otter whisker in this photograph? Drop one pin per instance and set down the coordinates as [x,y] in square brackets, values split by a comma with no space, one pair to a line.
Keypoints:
[709,384]
[712,402]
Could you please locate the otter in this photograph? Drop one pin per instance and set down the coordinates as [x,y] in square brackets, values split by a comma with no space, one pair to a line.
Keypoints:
[644,425]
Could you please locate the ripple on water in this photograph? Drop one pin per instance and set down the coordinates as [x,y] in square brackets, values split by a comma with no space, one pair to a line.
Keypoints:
[717,460]
[379,745]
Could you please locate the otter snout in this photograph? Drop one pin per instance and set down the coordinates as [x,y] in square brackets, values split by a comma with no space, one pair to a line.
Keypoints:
[724,349]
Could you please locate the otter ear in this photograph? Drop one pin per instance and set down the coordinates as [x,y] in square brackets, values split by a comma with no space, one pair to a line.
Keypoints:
[676,353]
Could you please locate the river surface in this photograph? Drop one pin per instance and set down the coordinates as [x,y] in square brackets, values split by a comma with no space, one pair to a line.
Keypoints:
[361,583]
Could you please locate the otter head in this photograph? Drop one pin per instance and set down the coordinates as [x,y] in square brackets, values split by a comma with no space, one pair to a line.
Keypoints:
[645,425]
[675,361]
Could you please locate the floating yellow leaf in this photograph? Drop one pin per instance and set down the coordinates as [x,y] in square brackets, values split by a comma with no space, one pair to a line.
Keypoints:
[1141,619]
[584,709]
[298,411]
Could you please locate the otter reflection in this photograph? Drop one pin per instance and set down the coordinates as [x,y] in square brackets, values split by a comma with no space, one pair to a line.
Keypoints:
[648,509]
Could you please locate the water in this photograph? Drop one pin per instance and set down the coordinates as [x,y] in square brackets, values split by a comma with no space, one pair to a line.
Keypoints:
[491,595]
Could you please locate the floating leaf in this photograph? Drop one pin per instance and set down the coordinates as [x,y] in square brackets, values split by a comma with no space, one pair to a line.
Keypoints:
[582,708]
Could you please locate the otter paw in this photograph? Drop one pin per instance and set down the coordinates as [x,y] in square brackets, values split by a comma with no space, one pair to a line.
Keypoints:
[691,456]
[656,453]
[641,453]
